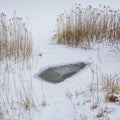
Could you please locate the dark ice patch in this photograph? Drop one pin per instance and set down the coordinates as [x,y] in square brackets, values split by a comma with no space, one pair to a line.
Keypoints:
[60,73]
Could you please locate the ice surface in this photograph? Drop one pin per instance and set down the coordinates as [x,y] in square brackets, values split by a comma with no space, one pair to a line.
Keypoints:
[60,73]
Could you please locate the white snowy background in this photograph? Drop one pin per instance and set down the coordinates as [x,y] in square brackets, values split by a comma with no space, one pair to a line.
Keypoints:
[68,100]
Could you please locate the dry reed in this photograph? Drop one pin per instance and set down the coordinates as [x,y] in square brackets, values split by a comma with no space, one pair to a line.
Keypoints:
[17,96]
[85,26]
[111,84]
[16,90]
[15,39]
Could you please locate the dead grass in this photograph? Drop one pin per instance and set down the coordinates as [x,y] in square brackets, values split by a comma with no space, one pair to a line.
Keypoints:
[104,88]
[99,115]
[1,115]
[17,97]
[16,90]
[26,96]
[85,26]
[111,84]
[15,39]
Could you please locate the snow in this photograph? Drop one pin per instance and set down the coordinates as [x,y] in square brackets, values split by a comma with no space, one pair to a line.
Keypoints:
[71,99]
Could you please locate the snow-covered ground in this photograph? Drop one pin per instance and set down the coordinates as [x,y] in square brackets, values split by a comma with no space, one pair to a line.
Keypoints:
[71,99]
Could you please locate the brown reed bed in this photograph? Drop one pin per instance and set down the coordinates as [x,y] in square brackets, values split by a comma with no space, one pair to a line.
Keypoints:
[15,39]
[85,26]
[16,88]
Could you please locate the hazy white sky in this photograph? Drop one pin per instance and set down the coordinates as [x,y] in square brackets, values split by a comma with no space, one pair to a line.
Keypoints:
[42,14]
[31,3]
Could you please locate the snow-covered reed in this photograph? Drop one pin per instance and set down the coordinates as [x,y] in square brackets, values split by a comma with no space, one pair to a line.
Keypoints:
[85,26]
[15,39]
